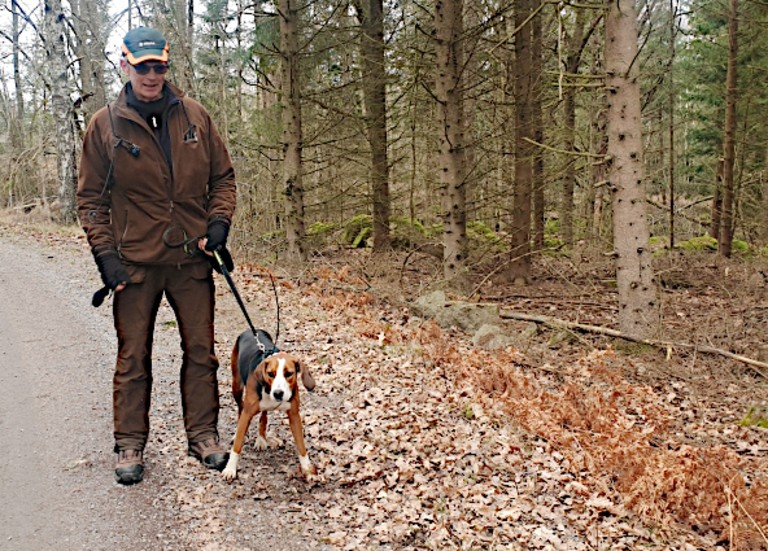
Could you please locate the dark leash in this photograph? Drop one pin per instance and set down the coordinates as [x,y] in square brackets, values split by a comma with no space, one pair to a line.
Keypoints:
[231,282]
[223,264]
[228,276]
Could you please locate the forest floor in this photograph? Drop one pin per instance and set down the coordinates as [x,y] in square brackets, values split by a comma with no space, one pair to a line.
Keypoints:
[570,440]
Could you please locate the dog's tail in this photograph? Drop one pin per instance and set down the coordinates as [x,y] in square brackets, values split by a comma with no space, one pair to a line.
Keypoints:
[306,376]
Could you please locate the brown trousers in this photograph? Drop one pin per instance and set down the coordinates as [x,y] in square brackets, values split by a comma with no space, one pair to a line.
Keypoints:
[189,290]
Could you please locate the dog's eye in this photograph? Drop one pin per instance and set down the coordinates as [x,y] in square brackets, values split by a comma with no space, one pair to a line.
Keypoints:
[288,374]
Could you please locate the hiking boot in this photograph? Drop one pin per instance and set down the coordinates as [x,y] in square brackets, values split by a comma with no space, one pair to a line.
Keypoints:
[209,453]
[129,468]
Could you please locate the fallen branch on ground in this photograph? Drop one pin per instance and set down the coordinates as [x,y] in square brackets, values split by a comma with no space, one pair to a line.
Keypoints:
[756,365]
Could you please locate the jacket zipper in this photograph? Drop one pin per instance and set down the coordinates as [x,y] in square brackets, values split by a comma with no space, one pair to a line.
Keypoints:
[122,237]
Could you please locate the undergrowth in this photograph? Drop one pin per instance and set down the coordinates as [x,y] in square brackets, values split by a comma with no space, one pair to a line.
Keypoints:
[618,433]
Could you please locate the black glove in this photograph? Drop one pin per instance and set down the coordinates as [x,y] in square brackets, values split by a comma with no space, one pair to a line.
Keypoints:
[218,230]
[112,271]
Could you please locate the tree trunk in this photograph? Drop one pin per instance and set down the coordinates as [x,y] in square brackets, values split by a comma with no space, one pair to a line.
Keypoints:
[61,106]
[471,79]
[599,170]
[17,121]
[503,117]
[717,202]
[638,305]
[520,263]
[370,13]
[188,45]
[729,142]
[290,103]
[178,26]
[449,93]
[91,21]
[575,47]
[538,131]
[763,220]
[672,156]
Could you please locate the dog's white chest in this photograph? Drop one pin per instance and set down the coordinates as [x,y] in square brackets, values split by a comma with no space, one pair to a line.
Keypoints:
[267,403]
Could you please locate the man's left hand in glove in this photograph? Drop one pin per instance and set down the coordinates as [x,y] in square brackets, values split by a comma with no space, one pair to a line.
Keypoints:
[216,240]
[216,237]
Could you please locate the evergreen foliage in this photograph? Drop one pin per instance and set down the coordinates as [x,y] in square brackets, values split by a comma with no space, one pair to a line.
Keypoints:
[234,63]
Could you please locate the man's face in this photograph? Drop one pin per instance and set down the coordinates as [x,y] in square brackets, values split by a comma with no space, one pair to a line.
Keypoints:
[147,86]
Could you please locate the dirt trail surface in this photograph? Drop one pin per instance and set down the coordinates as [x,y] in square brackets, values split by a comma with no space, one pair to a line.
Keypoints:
[56,478]
[423,439]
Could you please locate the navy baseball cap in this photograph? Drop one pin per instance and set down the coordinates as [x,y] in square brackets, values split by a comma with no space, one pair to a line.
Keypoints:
[145,44]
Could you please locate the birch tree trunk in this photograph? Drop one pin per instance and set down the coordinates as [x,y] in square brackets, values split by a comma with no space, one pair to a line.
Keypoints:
[575,47]
[725,237]
[638,304]
[449,93]
[370,14]
[290,104]
[56,37]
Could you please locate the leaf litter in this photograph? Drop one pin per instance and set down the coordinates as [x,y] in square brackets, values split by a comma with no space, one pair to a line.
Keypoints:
[424,441]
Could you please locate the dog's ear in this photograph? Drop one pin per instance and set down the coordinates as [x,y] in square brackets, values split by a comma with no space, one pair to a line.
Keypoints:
[306,376]
[258,375]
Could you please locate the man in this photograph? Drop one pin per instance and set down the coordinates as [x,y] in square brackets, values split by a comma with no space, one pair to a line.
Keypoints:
[156,193]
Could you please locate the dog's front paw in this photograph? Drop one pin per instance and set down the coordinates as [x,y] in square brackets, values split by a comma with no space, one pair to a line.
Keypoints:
[311,476]
[230,471]
[307,468]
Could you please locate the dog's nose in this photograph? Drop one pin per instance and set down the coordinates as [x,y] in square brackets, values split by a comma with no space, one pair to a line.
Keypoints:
[278,395]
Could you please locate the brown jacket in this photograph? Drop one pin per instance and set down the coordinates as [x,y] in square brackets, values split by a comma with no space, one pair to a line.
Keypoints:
[144,200]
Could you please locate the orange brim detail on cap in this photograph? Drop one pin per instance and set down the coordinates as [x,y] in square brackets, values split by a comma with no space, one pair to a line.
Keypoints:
[134,60]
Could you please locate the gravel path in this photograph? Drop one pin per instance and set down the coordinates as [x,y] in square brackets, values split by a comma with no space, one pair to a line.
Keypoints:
[57,489]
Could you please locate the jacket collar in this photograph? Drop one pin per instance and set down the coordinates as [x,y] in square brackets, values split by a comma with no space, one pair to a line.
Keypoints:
[122,103]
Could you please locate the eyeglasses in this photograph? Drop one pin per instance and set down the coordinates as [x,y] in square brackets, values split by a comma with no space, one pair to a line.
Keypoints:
[145,68]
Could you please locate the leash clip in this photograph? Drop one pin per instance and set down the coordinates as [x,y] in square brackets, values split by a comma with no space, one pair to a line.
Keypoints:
[262,348]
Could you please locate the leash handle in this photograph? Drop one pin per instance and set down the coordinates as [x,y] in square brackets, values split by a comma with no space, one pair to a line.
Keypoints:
[99,296]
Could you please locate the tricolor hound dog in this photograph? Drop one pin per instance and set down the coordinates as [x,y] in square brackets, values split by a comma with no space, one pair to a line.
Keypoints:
[265,380]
